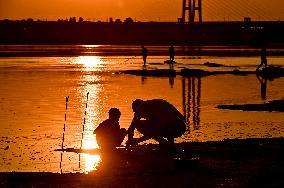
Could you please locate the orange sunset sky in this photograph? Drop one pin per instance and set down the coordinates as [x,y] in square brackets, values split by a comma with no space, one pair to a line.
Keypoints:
[141,10]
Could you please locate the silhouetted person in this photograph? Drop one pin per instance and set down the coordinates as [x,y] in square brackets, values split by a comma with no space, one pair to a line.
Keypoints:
[144,54]
[155,119]
[108,133]
[172,53]
[263,59]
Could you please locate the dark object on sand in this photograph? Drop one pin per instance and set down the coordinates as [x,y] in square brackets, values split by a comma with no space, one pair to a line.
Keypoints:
[151,72]
[276,105]
[213,64]
[271,72]
[169,62]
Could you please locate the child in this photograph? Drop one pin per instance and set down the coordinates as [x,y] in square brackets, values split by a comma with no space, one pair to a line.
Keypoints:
[108,133]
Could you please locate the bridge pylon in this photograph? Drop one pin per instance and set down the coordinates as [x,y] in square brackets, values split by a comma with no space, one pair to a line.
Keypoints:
[190,7]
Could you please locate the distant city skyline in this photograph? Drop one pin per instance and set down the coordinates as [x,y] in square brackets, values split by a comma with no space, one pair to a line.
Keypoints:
[146,10]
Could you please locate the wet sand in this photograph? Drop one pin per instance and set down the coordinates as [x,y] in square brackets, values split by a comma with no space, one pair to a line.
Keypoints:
[229,163]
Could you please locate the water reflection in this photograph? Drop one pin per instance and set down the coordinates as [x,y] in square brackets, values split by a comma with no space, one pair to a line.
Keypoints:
[191,93]
[143,77]
[171,81]
[88,96]
[89,63]
[86,162]
[89,162]
[263,86]
[92,162]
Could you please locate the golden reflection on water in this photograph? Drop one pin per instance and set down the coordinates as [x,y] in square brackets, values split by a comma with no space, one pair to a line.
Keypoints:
[92,112]
[90,63]
[90,46]
[92,162]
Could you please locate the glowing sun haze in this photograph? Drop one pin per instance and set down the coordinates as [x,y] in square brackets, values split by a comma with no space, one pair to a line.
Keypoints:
[141,10]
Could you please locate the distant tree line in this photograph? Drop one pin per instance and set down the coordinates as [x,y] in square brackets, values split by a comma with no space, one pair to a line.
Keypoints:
[71,20]
[115,31]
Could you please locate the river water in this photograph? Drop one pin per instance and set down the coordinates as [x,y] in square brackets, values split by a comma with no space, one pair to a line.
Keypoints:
[35,81]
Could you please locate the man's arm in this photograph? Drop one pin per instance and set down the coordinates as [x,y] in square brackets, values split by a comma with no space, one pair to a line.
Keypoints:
[131,129]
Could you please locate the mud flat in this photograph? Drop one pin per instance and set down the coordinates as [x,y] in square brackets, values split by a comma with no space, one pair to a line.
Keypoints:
[183,72]
[270,72]
[229,163]
[152,72]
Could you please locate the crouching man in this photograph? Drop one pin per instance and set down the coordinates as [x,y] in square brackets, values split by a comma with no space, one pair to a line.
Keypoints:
[155,119]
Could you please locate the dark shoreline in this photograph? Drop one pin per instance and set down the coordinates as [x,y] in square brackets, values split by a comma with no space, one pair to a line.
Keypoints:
[230,163]
[252,33]
[271,106]
[133,50]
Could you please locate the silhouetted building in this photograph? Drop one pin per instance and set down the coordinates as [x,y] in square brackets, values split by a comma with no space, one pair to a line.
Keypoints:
[191,6]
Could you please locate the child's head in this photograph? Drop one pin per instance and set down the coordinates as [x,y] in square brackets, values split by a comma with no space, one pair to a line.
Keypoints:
[114,114]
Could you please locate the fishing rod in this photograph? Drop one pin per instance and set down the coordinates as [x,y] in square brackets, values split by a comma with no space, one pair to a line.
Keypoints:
[65,121]
[84,123]
[64,128]
[131,58]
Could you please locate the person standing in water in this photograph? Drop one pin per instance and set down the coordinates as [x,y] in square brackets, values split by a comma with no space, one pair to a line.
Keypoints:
[263,59]
[144,54]
[172,53]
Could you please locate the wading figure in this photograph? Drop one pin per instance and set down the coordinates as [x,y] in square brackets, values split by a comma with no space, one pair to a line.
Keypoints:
[263,59]
[109,134]
[155,119]
[172,53]
[144,54]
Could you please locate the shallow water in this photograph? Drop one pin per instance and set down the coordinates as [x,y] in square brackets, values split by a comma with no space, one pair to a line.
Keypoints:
[33,91]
